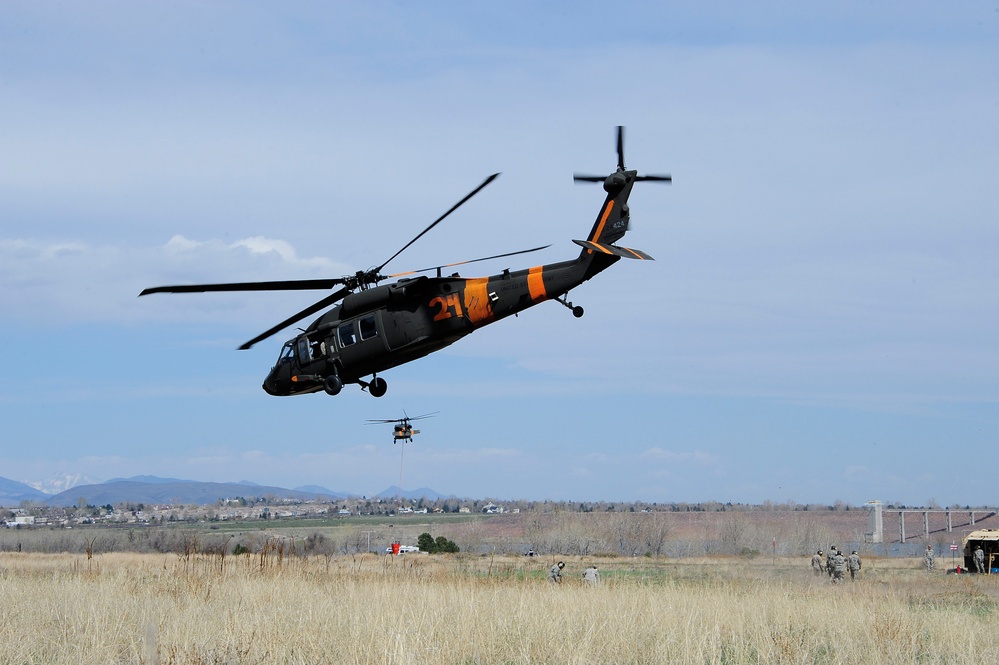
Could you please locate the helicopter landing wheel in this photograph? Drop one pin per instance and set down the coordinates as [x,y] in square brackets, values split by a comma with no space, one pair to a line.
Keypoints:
[377,387]
[332,384]
[577,311]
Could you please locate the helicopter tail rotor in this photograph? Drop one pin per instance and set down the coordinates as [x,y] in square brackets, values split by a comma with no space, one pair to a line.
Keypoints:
[614,218]
[615,181]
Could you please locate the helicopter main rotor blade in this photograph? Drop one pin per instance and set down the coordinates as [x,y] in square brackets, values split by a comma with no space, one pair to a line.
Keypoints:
[579,177]
[405,419]
[312,309]
[281,285]
[600,178]
[620,147]
[438,220]
[461,263]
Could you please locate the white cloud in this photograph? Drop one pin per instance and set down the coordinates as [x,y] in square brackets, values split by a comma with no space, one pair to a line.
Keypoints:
[692,457]
[179,245]
[857,472]
[69,282]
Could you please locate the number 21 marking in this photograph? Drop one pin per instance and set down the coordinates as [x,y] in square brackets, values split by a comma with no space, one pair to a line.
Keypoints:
[449,306]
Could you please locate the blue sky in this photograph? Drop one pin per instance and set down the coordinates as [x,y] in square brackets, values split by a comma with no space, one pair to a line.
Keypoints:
[820,322]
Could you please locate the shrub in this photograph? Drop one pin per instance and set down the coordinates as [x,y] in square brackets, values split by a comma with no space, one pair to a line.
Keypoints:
[431,545]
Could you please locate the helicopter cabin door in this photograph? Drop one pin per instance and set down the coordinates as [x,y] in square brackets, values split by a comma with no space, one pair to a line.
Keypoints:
[359,339]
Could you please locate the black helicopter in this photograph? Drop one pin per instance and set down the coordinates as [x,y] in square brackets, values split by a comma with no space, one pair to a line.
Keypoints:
[403,429]
[377,327]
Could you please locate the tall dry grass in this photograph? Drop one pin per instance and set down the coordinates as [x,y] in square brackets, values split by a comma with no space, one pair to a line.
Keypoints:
[130,608]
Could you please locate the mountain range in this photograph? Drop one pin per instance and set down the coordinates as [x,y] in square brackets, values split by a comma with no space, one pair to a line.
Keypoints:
[61,482]
[421,493]
[156,490]
[12,493]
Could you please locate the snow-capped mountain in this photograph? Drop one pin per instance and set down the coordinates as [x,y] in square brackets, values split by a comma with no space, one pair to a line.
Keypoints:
[61,482]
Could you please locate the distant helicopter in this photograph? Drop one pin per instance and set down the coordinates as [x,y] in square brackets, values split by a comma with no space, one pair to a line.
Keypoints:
[376,328]
[403,430]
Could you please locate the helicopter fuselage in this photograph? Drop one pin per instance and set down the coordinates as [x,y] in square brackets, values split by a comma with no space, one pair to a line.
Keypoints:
[389,325]
[374,327]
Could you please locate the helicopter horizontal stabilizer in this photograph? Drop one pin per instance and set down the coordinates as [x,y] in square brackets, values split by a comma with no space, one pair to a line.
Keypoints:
[614,249]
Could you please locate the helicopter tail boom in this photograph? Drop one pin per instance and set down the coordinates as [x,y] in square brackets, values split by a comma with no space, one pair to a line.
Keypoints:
[612,222]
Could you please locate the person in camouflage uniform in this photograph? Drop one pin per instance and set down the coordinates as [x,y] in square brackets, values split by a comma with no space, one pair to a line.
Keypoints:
[853,563]
[928,557]
[839,567]
[555,573]
[979,558]
[830,555]
[817,563]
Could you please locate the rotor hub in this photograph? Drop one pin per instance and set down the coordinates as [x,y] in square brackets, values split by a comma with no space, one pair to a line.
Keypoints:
[615,182]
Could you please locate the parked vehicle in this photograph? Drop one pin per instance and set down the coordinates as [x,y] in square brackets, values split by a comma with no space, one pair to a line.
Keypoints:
[401,549]
[988,540]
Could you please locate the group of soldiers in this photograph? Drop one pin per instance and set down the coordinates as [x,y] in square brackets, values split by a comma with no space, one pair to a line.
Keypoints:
[836,565]
[591,575]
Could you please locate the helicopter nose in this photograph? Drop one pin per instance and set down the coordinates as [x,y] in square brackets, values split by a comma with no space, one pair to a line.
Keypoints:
[272,386]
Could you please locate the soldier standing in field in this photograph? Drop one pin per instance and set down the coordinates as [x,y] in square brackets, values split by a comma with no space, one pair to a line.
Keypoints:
[979,558]
[591,576]
[928,557]
[853,563]
[817,563]
[839,567]
[829,560]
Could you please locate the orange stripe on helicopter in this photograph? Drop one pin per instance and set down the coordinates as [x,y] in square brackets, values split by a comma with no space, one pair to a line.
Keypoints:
[477,306]
[536,283]
[603,221]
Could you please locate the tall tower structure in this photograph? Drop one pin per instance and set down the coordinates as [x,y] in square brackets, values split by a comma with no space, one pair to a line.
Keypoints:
[875,526]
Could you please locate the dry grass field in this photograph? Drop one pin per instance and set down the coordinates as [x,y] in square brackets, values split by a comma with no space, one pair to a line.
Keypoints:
[269,608]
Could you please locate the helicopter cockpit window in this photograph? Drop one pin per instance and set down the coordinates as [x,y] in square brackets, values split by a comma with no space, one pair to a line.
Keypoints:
[367,326]
[303,350]
[287,352]
[346,334]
